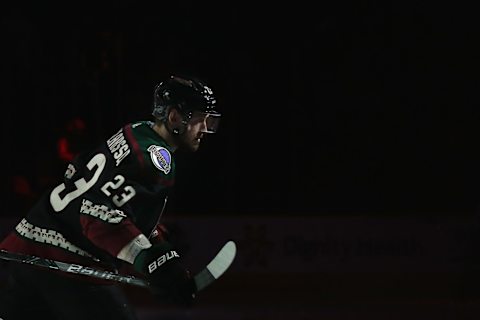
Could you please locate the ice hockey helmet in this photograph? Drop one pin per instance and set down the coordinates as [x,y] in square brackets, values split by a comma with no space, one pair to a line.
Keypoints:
[187,95]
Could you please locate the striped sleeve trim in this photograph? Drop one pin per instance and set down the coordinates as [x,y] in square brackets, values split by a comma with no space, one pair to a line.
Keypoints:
[47,236]
[102,212]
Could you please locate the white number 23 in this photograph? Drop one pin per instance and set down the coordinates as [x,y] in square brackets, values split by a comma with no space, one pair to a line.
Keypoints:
[97,164]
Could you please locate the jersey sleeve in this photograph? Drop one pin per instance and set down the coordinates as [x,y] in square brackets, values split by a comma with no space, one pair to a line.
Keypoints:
[110,229]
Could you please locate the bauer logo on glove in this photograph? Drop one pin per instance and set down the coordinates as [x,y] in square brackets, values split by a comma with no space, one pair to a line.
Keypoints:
[161,260]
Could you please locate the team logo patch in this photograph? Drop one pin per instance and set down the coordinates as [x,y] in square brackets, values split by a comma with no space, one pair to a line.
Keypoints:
[161,158]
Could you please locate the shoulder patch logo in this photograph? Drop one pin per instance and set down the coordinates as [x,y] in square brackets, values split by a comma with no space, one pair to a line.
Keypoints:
[161,158]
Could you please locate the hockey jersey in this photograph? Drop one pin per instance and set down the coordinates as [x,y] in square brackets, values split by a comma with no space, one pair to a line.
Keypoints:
[107,206]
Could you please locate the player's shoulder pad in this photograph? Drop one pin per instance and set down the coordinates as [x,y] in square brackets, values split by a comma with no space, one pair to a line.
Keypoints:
[153,148]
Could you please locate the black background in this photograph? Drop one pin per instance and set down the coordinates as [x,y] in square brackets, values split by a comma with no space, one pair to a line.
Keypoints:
[340,107]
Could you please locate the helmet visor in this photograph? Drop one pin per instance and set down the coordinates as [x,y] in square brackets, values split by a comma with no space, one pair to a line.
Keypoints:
[211,120]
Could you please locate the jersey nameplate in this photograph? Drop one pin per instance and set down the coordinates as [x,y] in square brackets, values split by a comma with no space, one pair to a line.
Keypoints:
[161,158]
[118,146]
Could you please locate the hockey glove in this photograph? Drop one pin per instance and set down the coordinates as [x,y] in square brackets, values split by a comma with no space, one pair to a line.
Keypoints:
[170,281]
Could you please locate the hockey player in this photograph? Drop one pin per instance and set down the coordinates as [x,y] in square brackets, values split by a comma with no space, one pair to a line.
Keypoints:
[105,213]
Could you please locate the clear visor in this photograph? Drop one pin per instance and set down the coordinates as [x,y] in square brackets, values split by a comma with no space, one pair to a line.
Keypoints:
[211,120]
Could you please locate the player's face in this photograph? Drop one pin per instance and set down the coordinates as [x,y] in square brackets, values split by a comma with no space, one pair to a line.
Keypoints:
[195,131]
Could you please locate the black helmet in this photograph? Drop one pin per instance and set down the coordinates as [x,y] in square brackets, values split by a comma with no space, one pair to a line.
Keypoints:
[187,95]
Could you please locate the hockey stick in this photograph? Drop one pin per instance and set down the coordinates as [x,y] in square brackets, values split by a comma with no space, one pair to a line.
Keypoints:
[215,268]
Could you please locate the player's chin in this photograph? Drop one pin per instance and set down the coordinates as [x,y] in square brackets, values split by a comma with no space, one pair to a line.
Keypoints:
[193,146]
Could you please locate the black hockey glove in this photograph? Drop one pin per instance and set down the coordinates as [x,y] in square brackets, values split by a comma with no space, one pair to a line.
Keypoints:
[170,281]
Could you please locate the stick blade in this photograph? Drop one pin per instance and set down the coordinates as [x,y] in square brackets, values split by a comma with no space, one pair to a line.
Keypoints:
[219,264]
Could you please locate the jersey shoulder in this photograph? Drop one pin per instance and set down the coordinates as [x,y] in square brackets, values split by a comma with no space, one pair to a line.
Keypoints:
[151,150]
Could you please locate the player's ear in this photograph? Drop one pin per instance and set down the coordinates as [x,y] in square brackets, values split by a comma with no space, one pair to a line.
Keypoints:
[174,117]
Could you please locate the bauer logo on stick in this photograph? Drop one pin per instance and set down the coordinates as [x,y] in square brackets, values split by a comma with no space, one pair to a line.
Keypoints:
[161,260]
[161,158]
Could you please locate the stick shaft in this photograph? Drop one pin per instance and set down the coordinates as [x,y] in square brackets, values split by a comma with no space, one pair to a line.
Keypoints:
[73,268]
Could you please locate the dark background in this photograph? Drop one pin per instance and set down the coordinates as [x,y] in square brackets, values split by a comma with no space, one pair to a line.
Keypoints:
[336,115]
[341,107]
